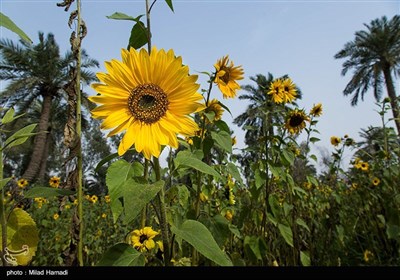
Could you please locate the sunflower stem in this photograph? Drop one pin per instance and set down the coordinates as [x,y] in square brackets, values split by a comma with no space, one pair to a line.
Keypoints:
[79,134]
[148,10]
[144,210]
[3,215]
[163,214]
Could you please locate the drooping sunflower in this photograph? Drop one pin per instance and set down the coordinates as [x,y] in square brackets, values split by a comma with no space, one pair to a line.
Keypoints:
[289,91]
[275,90]
[316,110]
[226,77]
[22,183]
[148,96]
[296,121]
[335,140]
[54,181]
[216,108]
[142,239]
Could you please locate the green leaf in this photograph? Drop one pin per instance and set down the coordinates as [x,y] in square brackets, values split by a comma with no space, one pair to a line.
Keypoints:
[46,192]
[3,182]
[272,219]
[169,3]
[222,126]
[183,160]
[312,180]
[287,208]
[118,172]
[10,25]
[259,178]
[20,136]
[122,254]
[138,36]
[288,155]
[287,234]
[392,231]
[122,16]
[305,258]
[314,157]
[314,139]
[232,168]
[302,223]
[223,139]
[105,160]
[276,171]
[197,235]
[8,116]
[136,196]
[253,243]
[226,108]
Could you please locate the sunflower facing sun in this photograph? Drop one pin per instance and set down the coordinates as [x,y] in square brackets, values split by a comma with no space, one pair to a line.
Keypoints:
[149,97]
[296,121]
[226,76]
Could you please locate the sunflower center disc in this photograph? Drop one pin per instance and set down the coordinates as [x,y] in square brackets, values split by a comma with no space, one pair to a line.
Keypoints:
[142,238]
[226,76]
[148,103]
[295,121]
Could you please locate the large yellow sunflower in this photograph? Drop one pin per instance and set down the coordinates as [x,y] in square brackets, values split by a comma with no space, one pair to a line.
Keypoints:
[296,121]
[142,239]
[275,90]
[226,76]
[149,97]
[289,91]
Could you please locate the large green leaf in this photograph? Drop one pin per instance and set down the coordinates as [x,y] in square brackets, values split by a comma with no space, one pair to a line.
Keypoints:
[22,237]
[197,235]
[20,136]
[122,254]
[3,182]
[287,234]
[232,168]
[46,192]
[138,36]
[223,139]
[305,258]
[253,243]
[10,25]
[118,172]
[182,159]
[136,196]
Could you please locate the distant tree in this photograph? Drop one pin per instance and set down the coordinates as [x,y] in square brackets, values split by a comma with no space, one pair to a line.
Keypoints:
[374,55]
[38,73]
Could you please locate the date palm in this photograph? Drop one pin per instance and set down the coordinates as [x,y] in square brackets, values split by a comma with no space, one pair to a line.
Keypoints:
[374,56]
[37,72]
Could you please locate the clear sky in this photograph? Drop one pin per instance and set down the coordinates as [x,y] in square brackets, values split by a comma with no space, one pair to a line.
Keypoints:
[298,38]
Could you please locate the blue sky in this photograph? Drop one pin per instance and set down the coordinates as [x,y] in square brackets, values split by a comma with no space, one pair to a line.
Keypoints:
[298,38]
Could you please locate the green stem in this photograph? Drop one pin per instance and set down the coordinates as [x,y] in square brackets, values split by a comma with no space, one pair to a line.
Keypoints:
[144,210]
[79,134]
[148,9]
[163,214]
[3,215]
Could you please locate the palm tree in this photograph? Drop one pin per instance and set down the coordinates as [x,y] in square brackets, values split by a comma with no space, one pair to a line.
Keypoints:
[38,72]
[374,55]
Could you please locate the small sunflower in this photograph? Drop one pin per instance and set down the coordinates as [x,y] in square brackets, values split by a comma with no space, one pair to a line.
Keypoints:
[54,182]
[376,181]
[229,214]
[296,121]
[216,108]
[226,76]
[275,90]
[22,183]
[289,91]
[104,215]
[335,140]
[150,96]
[94,198]
[56,216]
[368,255]
[364,166]
[316,110]
[107,198]
[142,239]
[234,141]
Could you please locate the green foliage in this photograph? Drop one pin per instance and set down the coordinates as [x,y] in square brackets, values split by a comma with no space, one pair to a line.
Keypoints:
[122,254]
[10,25]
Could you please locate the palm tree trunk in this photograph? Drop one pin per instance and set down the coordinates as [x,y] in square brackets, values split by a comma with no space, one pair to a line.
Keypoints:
[43,163]
[39,144]
[393,98]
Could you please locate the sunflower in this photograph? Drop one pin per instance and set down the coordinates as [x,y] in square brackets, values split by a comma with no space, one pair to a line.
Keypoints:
[368,255]
[107,198]
[376,181]
[275,90]
[149,97]
[316,110]
[335,140]
[296,121]
[54,181]
[364,166]
[22,183]
[289,91]
[216,108]
[56,216]
[226,76]
[142,239]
